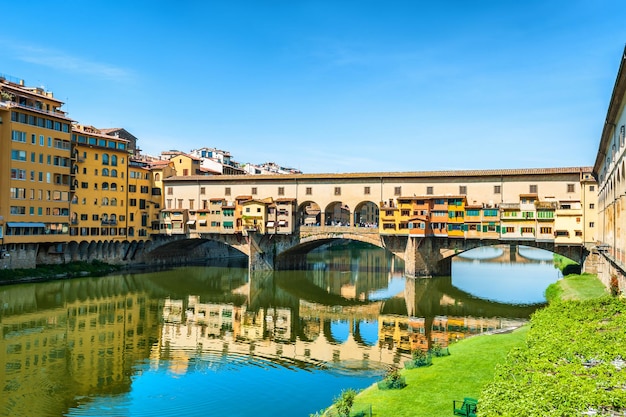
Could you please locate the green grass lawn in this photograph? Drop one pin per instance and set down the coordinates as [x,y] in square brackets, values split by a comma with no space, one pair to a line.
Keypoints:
[576,287]
[431,390]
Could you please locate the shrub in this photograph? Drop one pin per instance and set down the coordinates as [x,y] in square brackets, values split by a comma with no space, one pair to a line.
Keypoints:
[343,404]
[571,364]
[438,351]
[393,380]
[419,358]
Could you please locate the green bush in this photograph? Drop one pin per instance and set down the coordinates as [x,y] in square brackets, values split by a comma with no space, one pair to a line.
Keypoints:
[393,380]
[343,404]
[419,358]
[438,351]
[573,363]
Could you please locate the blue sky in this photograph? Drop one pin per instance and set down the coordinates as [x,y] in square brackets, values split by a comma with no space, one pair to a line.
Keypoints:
[333,86]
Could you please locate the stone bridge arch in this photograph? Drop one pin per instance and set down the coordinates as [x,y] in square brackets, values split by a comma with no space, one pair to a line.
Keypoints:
[366,214]
[183,249]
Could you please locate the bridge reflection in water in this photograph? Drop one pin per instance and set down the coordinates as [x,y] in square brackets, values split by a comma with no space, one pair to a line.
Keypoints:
[349,311]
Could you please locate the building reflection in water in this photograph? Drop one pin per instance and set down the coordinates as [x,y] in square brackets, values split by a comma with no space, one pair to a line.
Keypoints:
[65,342]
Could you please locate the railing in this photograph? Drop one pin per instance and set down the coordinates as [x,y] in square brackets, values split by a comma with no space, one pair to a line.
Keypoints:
[57,113]
[339,229]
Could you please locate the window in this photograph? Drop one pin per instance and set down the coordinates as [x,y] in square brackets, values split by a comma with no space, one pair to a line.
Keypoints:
[462,189]
[227,191]
[532,189]
[337,190]
[281,190]
[570,188]
[114,160]
[170,190]
[18,136]
[253,191]
[429,190]
[309,190]
[132,202]
[397,190]
[592,224]
[545,230]
[191,201]
[592,206]
[592,188]
[19,193]
[18,155]
[18,174]
[202,190]
[366,190]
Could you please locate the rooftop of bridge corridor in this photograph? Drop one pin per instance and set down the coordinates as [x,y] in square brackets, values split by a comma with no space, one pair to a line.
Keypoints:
[378,175]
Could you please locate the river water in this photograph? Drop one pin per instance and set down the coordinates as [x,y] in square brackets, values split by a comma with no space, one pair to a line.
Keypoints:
[214,340]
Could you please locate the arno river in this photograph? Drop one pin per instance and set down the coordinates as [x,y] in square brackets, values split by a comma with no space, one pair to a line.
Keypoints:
[214,341]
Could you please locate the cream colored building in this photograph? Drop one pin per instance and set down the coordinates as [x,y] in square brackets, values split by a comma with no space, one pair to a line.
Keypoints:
[610,171]
[520,196]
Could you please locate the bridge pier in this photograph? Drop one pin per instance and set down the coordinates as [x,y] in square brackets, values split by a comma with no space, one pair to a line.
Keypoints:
[423,256]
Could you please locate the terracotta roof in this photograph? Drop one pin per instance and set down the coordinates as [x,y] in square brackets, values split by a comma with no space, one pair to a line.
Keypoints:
[377,176]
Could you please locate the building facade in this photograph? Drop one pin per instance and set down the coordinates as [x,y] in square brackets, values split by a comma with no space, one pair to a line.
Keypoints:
[551,205]
[609,170]
[35,164]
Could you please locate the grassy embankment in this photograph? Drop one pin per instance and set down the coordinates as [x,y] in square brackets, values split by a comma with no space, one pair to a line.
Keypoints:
[50,272]
[471,366]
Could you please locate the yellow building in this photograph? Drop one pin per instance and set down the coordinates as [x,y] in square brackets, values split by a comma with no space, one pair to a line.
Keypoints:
[144,202]
[34,174]
[99,190]
[184,165]
[456,216]
[254,215]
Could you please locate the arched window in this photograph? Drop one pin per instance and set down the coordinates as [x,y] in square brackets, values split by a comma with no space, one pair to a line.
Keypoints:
[105,201]
[131,231]
[105,218]
[157,177]
[105,172]
[105,159]
[113,186]
[114,201]
[113,219]
[105,185]
[114,160]
[114,173]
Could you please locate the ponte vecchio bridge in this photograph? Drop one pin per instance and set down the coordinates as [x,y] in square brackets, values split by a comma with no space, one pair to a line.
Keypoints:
[425,218]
